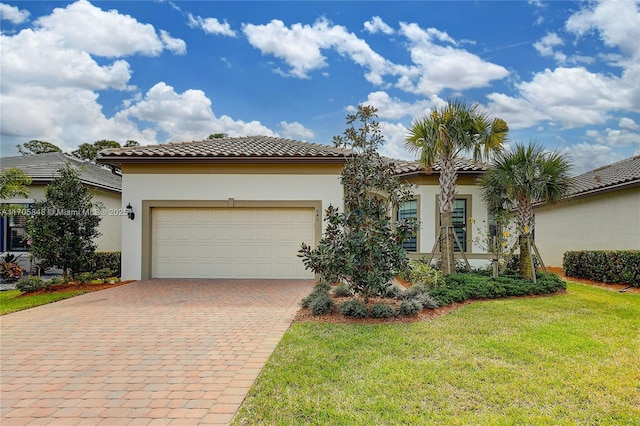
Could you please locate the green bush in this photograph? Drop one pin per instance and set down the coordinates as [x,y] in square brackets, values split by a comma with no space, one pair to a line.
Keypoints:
[31,284]
[107,260]
[55,281]
[343,290]
[460,287]
[319,289]
[85,277]
[410,307]
[103,274]
[382,310]
[423,274]
[620,266]
[353,308]
[322,304]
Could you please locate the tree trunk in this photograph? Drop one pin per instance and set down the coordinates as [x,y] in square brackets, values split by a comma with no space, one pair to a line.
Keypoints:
[525,258]
[447,196]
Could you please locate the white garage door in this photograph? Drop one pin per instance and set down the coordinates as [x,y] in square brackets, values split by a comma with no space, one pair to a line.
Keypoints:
[230,243]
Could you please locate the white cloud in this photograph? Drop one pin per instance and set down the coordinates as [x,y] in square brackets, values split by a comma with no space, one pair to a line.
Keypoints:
[188,115]
[212,26]
[394,136]
[175,45]
[546,47]
[394,108]
[615,137]
[617,22]
[301,47]
[377,25]
[85,27]
[296,130]
[13,14]
[628,124]
[571,97]
[439,67]
[586,157]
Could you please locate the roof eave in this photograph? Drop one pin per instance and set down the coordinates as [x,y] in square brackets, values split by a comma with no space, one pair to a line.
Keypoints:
[117,161]
[598,191]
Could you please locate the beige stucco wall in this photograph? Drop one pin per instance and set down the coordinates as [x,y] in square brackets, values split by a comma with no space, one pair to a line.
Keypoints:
[429,216]
[609,221]
[110,225]
[139,185]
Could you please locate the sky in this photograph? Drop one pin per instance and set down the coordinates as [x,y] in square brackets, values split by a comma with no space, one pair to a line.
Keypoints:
[563,73]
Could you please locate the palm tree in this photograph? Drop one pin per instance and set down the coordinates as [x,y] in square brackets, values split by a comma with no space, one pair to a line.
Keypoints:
[518,179]
[439,138]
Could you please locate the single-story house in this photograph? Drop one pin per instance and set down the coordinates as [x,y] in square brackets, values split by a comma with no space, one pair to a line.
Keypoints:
[602,212]
[241,207]
[105,187]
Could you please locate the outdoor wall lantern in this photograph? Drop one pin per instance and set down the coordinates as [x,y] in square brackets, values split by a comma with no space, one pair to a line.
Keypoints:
[129,211]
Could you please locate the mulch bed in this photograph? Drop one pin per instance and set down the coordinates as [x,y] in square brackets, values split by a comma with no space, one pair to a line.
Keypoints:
[76,286]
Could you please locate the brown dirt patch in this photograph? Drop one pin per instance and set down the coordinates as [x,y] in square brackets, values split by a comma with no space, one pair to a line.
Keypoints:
[76,286]
[608,286]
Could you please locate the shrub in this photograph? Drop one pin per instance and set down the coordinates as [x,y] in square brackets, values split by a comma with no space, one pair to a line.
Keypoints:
[10,271]
[322,304]
[382,310]
[103,274]
[55,281]
[621,266]
[423,274]
[30,284]
[410,307]
[85,277]
[343,290]
[353,308]
[318,290]
[108,260]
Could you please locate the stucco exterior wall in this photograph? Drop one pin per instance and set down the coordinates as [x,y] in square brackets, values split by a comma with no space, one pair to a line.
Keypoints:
[139,187]
[610,221]
[429,217]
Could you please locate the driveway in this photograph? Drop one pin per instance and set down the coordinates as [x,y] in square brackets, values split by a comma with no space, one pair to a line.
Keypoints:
[157,352]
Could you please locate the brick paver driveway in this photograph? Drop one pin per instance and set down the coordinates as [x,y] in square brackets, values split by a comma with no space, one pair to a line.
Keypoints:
[166,352]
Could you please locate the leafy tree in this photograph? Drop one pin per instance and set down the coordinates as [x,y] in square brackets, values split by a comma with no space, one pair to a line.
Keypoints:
[518,179]
[13,183]
[37,147]
[439,138]
[363,245]
[88,151]
[131,143]
[65,223]
[217,136]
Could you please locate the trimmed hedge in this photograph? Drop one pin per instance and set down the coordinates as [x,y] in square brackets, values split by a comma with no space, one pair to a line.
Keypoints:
[616,266]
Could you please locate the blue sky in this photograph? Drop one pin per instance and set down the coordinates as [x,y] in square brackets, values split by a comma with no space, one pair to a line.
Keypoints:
[564,73]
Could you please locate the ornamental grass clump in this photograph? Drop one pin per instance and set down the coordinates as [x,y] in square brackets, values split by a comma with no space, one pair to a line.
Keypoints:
[382,310]
[353,308]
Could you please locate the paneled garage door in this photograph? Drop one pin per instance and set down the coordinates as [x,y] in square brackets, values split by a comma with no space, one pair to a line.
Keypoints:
[230,242]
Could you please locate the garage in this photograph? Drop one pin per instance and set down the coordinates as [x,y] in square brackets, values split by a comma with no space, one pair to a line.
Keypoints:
[230,242]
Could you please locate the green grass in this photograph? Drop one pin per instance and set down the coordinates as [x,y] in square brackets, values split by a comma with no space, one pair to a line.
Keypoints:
[10,302]
[559,360]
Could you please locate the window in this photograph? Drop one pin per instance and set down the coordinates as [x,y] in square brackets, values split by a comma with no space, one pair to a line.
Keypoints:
[409,210]
[16,232]
[459,216]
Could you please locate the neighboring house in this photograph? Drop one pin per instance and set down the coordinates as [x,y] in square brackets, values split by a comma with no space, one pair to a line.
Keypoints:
[241,207]
[104,186]
[602,212]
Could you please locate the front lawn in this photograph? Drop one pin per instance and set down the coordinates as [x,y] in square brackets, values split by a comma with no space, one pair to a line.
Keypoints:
[11,302]
[564,359]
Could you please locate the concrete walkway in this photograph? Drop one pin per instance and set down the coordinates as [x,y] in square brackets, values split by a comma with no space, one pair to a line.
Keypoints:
[159,352]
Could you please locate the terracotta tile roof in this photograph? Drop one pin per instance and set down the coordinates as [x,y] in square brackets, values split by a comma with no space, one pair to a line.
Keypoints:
[247,147]
[405,167]
[42,168]
[623,173]
[255,148]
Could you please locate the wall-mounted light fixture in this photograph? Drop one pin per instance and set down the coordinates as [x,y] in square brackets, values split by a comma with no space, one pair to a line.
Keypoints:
[129,211]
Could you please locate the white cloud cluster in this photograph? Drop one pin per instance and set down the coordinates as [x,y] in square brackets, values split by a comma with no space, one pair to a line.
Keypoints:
[295,130]
[546,47]
[13,14]
[211,26]
[377,25]
[51,83]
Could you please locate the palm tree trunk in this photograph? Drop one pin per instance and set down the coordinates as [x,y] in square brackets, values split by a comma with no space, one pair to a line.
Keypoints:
[447,196]
[525,225]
